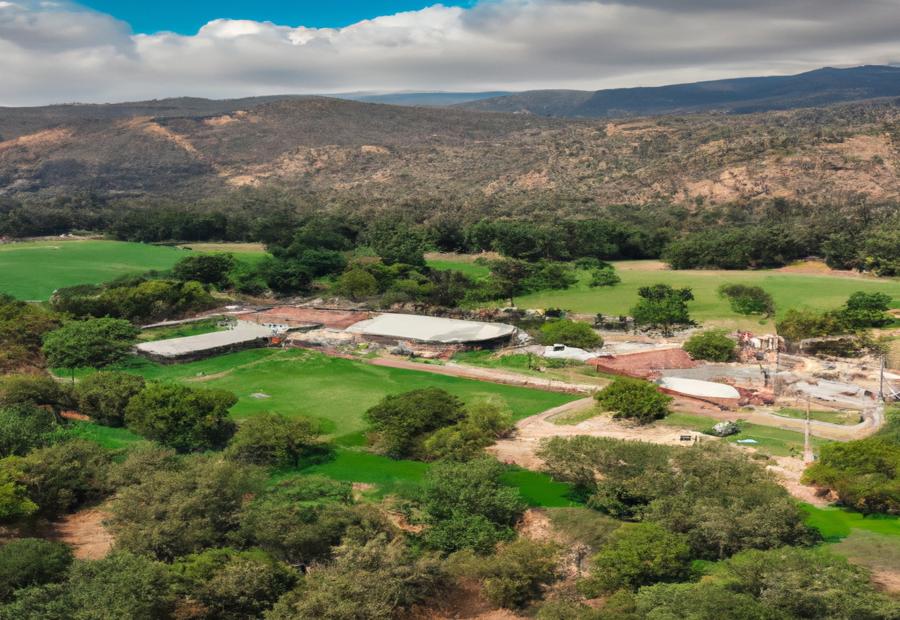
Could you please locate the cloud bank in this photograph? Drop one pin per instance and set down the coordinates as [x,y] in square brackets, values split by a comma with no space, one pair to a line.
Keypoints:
[60,52]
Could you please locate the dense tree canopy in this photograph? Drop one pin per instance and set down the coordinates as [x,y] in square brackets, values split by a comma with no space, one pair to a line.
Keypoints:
[401,422]
[94,343]
[713,346]
[634,399]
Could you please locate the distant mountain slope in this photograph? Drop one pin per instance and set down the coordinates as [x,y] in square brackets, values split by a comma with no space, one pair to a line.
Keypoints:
[422,99]
[738,96]
[372,156]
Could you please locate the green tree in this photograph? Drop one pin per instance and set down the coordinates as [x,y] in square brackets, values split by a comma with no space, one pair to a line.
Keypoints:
[171,513]
[570,333]
[25,427]
[662,307]
[35,391]
[881,251]
[26,562]
[357,284]
[274,440]
[93,343]
[746,299]
[205,268]
[396,242]
[605,276]
[231,584]
[402,421]
[864,310]
[376,579]
[14,501]
[104,396]
[462,499]
[637,555]
[181,417]
[801,323]
[713,346]
[865,474]
[508,278]
[485,422]
[634,399]
[518,573]
[699,601]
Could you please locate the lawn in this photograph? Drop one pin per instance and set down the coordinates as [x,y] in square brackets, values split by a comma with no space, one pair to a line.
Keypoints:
[790,290]
[836,524]
[834,417]
[471,269]
[333,390]
[180,331]
[33,270]
[769,440]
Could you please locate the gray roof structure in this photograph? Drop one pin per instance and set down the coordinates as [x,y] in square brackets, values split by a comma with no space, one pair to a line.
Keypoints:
[243,332]
[430,329]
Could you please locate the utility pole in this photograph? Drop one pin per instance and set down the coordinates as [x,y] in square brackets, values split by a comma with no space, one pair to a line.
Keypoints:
[807,448]
[881,380]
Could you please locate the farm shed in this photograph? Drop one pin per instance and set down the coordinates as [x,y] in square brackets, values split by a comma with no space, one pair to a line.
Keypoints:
[244,335]
[430,330]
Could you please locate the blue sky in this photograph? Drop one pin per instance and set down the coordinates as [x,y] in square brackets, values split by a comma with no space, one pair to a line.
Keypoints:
[187,16]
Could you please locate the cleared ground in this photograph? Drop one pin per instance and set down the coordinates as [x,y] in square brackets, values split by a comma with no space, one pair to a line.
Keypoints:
[33,270]
[790,289]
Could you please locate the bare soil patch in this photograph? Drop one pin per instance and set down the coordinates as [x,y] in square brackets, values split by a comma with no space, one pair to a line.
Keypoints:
[85,533]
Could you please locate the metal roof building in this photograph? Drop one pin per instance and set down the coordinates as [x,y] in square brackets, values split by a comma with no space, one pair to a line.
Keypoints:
[432,330]
[243,336]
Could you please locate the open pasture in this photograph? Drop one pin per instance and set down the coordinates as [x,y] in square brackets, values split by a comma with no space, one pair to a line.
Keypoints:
[332,390]
[33,270]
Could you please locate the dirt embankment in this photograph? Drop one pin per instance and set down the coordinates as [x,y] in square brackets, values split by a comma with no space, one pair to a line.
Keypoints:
[85,533]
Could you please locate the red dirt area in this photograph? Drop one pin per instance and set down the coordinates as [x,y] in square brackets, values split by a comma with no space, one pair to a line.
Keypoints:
[85,533]
[298,317]
[644,363]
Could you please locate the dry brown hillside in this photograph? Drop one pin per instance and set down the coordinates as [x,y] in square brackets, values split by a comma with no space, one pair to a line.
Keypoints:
[382,154]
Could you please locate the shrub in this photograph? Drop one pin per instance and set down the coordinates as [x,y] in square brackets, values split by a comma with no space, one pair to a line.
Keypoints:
[634,399]
[606,276]
[93,343]
[485,422]
[273,440]
[518,573]
[181,417]
[205,268]
[570,333]
[746,299]
[662,307]
[356,283]
[712,346]
[104,396]
[863,473]
[25,427]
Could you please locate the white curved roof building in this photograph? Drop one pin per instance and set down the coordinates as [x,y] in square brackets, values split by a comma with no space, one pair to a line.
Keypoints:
[431,329]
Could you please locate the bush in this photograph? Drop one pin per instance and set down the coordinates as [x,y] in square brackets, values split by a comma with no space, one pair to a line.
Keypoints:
[570,333]
[206,268]
[712,346]
[93,343]
[181,417]
[274,440]
[863,473]
[634,399]
[485,422]
[104,396]
[637,555]
[357,284]
[28,562]
[402,421]
[662,307]
[518,573]
[745,299]
[606,276]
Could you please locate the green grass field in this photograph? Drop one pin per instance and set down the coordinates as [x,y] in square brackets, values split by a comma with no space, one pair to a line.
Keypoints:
[835,524]
[180,331]
[769,440]
[790,290]
[834,417]
[335,391]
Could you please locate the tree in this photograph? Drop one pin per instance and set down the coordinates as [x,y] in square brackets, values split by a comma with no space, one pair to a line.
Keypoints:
[232,584]
[746,299]
[638,554]
[605,276]
[26,562]
[375,579]
[881,251]
[662,307]
[570,333]
[864,310]
[171,513]
[397,242]
[274,440]
[181,417]
[93,343]
[485,422]
[22,330]
[35,391]
[205,268]
[863,473]
[104,396]
[801,323]
[634,399]
[518,573]
[508,277]
[401,421]
[14,501]
[699,601]
[465,499]
[356,283]
[61,477]
[713,346]
[25,427]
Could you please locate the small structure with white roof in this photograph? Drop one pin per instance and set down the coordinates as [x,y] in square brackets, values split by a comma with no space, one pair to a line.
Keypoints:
[431,330]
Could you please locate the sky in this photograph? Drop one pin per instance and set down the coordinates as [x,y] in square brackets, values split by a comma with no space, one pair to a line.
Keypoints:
[59,51]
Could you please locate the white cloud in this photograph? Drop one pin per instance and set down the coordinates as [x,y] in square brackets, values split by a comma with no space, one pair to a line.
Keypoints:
[58,51]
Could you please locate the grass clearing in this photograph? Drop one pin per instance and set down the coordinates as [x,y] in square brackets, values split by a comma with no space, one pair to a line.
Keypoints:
[180,331]
[574,417]
[332,390]
[32,270]
[836,524]
[847,418]
[535,366]
[790,290]
[106,436]
[540,490]
[471,269]
[769,440]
